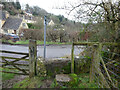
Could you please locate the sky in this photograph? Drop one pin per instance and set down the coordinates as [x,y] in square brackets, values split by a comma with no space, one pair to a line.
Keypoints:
[49,5]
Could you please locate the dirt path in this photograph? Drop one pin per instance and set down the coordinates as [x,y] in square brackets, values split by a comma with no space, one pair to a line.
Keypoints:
[46,84]
[11,82]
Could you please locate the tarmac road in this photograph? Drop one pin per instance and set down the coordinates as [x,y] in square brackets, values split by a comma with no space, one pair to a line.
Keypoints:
[52,51]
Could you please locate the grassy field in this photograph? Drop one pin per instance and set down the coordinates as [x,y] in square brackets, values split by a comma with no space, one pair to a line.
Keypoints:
[38,42]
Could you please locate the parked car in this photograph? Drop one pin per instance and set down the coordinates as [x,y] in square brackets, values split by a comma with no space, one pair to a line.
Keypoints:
[13,37]
[1,35]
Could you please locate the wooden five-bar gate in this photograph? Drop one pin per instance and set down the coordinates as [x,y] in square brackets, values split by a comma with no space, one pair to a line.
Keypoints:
[20,63]
[14,63]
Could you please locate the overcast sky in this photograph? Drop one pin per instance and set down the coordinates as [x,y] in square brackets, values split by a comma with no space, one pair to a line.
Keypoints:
[49,5]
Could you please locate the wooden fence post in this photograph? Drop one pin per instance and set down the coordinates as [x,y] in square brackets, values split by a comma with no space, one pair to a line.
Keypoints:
[72,59]
[95,62]
[95,67]
[32,58]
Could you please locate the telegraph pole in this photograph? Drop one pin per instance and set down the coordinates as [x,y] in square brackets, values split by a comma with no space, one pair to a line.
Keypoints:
[45,24]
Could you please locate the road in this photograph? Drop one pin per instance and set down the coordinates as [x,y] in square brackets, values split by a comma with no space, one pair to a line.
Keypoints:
[52,51]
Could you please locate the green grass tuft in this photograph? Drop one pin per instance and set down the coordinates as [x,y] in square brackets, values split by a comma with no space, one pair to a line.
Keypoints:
[38,42]
[34,82]
[6,76]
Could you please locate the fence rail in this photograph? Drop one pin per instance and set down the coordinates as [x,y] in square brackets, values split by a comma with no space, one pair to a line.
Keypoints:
[4,51]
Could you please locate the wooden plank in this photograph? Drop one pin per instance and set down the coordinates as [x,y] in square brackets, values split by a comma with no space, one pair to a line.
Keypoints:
[15,58]
[72,59]
[85,43]
[92,43]
[102,79]
[12,68]
[19,64]
[12,52]
[14,73]
[21,59]
[111,43]
[97,56]
[15,66]
[107,71]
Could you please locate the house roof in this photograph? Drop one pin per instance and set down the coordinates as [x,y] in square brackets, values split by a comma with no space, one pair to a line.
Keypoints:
[12,23]
[2,15]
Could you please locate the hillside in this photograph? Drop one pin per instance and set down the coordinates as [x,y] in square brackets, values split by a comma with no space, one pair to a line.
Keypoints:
[12,7]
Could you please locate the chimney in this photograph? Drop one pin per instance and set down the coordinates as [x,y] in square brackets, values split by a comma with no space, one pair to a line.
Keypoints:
[6,14]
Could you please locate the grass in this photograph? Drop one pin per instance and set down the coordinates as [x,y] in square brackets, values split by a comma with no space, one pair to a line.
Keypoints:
[37,82]
[34,82]
[27,42]
[84,81]
[80,81]
[6,76]
[38,42]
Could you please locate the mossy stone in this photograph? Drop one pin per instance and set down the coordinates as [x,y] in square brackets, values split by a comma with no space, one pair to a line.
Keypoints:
[41,69]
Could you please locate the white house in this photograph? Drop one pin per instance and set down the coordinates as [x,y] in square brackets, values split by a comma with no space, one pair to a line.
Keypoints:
[51,23]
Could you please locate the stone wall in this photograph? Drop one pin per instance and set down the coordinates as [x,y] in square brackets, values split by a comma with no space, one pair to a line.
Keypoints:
[63,66]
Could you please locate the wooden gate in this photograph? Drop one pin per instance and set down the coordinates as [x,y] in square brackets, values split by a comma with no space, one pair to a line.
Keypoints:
[24,63]
[104,71]
[17,65]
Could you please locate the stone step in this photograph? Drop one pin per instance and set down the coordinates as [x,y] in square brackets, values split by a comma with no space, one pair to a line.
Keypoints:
[63,78]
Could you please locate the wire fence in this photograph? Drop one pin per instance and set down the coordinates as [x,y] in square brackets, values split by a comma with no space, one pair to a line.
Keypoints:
[105,63]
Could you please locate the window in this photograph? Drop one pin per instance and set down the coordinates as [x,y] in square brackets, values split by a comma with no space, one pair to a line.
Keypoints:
[23,24]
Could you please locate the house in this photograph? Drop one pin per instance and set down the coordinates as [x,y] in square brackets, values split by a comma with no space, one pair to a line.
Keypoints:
[11,25]
[51,23]
[29,18]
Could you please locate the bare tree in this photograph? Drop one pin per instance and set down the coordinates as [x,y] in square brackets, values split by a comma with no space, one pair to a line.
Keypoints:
[105,14]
